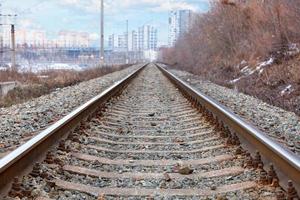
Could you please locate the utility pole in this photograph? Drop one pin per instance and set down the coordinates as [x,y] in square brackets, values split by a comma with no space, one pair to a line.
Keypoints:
[102,35]
[1,37]
[127,43]
[13,48]
[13,39]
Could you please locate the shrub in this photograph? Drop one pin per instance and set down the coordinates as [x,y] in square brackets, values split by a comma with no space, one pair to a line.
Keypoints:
[233,31]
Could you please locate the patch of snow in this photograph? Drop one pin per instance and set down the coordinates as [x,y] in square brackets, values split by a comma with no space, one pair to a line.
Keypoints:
[265,64]
[37,67]
[251,72]
[287,90]
[247,71]
[43,77]
[261,71]
[235,80]
[243,62]
[293,49]
[293,46]
[65,66]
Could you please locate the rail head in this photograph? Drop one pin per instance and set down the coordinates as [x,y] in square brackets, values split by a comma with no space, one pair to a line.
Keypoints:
[23,156]
[287,161]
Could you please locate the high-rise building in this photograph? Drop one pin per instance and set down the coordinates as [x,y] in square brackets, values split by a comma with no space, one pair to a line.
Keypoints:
[122,42]
[134,41]
[147,38]
[73,39]
[111,42]
[141,36]
[153,38]
[179,23]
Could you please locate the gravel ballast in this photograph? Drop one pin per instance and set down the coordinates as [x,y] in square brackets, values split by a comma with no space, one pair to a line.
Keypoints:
[281,125]
[27,119]
[85,167]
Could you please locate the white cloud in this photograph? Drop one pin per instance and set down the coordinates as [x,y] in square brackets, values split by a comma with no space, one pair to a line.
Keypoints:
[117,6]
[94,36]
[167,6]
[27,23]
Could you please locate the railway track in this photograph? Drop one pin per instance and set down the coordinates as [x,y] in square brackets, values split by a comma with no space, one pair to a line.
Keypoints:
[148,141]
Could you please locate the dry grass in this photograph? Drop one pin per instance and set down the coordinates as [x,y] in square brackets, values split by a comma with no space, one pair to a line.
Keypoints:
[233,31]
[272,81]
[34,86]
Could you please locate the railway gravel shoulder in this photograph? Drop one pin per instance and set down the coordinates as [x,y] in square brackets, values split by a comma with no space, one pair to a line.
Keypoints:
[20,122]
[280,125]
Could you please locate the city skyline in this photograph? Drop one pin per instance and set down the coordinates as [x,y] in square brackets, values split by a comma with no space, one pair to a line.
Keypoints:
[83,16]
[179,23]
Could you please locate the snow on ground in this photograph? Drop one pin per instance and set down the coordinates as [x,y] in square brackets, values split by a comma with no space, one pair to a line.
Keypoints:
[248,71]
[287,90]
[37,67]
[293,49]
[235,80]
[42,66]
[264,64]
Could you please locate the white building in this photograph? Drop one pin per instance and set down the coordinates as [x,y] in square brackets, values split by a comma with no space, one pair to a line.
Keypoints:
[35,38]
[122,43]
[111,42]
[153,39]
[147,38]
[41,39]
[141,36]
[134,41]
[73,39]
[179,23]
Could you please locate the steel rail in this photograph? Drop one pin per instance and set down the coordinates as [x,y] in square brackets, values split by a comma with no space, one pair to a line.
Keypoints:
[21,160]
[286,162]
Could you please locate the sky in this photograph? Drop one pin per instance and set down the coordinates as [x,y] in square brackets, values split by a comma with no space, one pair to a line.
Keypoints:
[53,16]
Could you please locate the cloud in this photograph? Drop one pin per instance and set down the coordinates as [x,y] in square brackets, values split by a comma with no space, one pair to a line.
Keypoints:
[94,36]
[167,6]
[118,6]
[27,23]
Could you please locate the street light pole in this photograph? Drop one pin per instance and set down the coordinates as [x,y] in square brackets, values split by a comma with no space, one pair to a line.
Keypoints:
[102,35]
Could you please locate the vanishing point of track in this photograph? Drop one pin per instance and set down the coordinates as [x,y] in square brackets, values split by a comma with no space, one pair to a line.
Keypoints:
[149,140]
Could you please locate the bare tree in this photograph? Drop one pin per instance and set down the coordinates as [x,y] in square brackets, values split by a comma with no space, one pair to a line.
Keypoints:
[236,30]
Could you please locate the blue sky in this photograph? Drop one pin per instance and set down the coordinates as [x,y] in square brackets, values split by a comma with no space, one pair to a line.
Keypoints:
[83,15]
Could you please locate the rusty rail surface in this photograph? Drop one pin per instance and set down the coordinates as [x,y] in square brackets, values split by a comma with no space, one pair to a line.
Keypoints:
[21,160]
[286,162]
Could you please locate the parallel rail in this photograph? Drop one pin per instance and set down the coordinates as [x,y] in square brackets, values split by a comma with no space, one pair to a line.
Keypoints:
[21,160]
[286,162]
